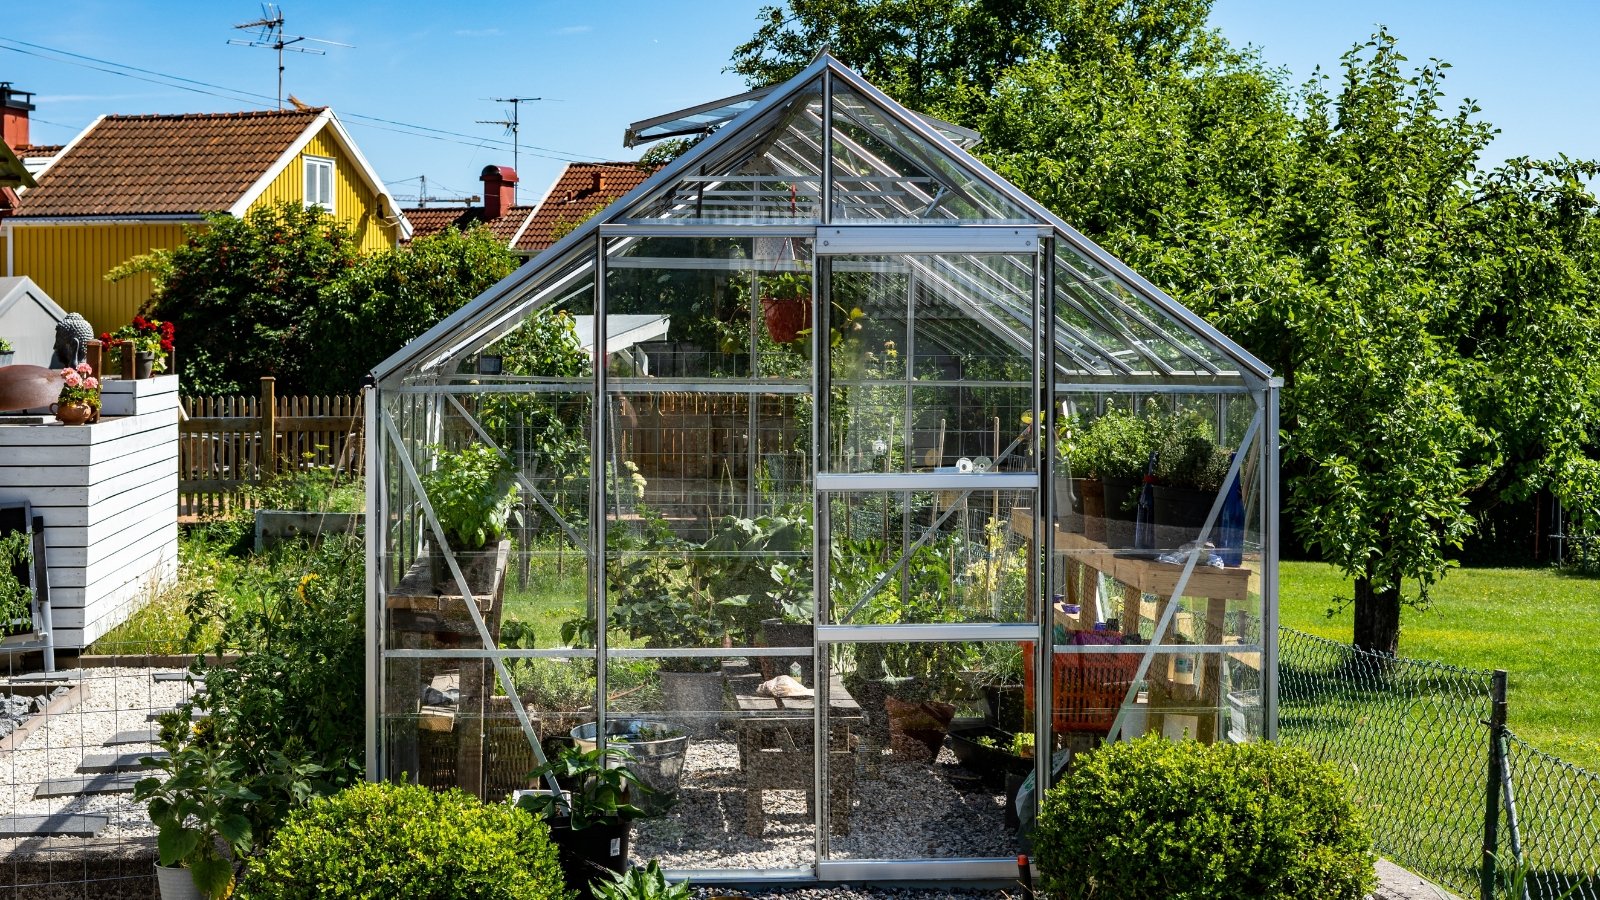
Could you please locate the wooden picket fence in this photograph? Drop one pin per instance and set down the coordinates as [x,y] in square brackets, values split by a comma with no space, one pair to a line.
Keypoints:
[227,444]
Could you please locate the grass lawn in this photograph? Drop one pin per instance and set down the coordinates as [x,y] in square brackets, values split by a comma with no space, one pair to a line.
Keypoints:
[1539,625]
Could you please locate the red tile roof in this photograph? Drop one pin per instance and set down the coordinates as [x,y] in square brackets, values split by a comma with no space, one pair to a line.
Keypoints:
[431,220]
[37,151]
[582,190]
[165,164]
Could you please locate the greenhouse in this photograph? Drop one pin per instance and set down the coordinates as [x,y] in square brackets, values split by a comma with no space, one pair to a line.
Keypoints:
[887,493]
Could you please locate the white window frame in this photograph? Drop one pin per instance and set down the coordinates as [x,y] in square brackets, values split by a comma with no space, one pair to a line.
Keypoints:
[319,172]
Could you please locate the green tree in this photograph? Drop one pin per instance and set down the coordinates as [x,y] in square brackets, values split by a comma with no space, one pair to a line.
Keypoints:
[1434,321]
[284,291]
[243,294]
[377,306]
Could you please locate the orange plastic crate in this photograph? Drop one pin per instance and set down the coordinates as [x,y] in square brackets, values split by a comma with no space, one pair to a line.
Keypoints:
[1088,688]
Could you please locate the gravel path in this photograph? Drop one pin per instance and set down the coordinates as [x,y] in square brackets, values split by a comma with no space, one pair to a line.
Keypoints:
[118,700]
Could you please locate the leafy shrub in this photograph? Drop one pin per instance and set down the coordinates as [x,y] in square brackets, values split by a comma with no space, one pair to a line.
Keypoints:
[1116,445]
[390,840]
[290,710]
[1189,821]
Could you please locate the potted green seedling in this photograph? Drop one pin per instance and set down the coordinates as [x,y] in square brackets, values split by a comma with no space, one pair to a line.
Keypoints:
[200,810]
[473,492]
[592,817]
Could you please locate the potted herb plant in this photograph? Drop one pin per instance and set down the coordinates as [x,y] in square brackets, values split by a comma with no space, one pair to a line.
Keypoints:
[786,304]
[1115,448]
[474,494]
[79,401]
[6,352]
[1189,474]
[200,810]
[591,819]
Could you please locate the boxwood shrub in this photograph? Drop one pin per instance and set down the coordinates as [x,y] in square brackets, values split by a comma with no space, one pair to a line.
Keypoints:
[386,841]
[1181,820]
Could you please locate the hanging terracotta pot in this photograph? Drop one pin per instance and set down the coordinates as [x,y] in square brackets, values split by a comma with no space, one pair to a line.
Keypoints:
[73,413]
[785,317]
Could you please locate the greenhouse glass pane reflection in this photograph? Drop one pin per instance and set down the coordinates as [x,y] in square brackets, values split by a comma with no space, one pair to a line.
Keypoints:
[825,470]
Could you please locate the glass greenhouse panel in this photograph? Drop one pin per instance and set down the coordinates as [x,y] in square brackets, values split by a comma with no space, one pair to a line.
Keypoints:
[686,309]
[885,171]
[541,332]
[926,557]
[769,171]
[730,770]
[930,741]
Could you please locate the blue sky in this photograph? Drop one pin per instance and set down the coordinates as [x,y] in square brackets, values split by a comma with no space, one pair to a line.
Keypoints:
[610,63]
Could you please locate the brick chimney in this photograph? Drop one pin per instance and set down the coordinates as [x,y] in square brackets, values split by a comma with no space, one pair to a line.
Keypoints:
[14,108]
[499,191]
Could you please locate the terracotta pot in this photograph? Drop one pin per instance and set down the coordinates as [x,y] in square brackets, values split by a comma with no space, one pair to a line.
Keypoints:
[1094,509]
[73,413]
[785,318]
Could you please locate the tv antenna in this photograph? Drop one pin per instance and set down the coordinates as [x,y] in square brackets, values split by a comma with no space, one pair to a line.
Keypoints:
[513,124]
[272,36]
[422,198]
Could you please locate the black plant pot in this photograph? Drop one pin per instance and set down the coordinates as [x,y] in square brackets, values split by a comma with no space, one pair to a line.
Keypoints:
[1006,704]
[991,764]
[1179,514]
[1122,508]
[590,853]
[1069,503]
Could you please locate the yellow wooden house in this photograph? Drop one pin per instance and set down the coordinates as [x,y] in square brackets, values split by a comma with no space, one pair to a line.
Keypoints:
[129,184]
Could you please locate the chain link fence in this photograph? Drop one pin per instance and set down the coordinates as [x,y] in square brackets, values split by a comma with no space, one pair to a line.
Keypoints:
[1413,740]
[1551,810]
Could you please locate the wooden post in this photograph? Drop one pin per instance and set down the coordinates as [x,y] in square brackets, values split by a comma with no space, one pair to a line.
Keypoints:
[269,427]
[92,357]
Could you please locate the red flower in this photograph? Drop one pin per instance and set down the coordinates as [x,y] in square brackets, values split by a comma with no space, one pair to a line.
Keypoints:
[166,344]
[105,337]
[140,323]
[166,329]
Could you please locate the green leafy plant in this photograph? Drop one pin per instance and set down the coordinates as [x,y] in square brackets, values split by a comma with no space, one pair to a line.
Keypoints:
[1116,445]
[473,493]
[598,787]
[1022,744]
[399,840]
[1185,820]
[289,709]
[201,803]
[657,600]
[143,336]
[312,488]
[760,568]
[16,595]
[647,883]
[5,346]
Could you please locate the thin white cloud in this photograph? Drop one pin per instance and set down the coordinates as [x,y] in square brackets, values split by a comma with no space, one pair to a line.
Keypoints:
[478,32]
[575,29]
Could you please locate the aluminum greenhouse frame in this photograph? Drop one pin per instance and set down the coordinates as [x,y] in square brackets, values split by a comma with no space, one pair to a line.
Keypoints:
[856,455]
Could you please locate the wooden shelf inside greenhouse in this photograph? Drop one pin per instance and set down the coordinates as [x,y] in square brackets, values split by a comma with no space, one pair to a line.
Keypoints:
[1147,575]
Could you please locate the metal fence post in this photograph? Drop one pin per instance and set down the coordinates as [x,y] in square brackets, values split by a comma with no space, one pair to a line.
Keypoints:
[1491,805]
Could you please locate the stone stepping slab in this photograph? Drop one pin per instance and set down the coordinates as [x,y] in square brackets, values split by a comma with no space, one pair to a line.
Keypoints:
[60,825]
[180,675]
[136,736]
[76,785]
[116,762]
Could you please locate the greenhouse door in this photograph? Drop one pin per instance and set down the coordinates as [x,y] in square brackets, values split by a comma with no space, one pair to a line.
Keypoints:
[927,339]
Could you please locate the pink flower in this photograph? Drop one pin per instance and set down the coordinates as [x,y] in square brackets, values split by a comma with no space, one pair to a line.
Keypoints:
[84,369]
[66,372]
[73,379]
[92,383]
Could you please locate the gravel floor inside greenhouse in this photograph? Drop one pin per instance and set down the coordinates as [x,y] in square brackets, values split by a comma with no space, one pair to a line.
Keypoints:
[902,811]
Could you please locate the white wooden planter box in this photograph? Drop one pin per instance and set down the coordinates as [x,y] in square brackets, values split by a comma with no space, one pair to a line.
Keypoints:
[108,493]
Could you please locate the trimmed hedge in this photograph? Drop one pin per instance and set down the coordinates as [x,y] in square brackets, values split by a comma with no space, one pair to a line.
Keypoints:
[387,841]
[1180,820]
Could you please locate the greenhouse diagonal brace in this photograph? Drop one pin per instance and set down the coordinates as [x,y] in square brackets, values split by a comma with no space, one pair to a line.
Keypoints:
[471,604]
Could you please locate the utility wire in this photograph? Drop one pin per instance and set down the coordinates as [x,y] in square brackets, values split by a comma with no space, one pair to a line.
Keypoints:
[263,101]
